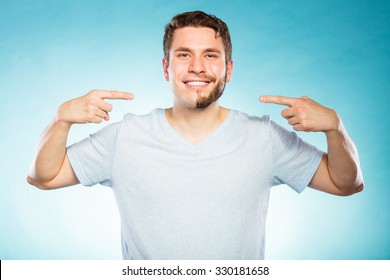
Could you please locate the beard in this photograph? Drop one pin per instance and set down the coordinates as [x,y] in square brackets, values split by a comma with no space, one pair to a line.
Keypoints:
[214,95]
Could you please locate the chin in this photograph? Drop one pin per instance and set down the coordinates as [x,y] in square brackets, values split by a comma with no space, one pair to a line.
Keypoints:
[213,96]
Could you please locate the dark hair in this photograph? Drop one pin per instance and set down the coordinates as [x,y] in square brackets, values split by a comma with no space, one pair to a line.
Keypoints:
[197,19]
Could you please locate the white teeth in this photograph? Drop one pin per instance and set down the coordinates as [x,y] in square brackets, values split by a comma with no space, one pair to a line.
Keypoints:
[197,83]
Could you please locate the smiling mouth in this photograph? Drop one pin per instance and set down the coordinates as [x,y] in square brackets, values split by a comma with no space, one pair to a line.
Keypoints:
[197,83]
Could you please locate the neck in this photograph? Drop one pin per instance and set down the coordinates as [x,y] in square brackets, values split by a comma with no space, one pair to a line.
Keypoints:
[194,125]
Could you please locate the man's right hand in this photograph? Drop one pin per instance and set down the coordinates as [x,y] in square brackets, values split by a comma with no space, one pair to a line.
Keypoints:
[51,168]
[90,108]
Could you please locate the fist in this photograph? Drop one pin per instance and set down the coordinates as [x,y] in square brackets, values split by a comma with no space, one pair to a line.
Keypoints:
[304,114]
[90,108]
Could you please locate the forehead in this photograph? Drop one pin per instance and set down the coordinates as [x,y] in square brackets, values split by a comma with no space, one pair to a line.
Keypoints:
[196,38]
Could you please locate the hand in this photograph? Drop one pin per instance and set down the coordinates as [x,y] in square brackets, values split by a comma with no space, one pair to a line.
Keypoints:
[304,114]
[90,108]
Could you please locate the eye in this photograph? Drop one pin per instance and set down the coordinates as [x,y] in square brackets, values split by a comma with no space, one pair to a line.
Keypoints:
[183,55]
[211,56]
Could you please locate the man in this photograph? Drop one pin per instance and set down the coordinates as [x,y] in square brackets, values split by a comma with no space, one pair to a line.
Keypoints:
[193,181]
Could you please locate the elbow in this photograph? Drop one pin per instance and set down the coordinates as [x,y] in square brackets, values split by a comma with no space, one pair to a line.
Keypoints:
[359,188]
[359,184]
[351,186]
[37,183]
[351,190]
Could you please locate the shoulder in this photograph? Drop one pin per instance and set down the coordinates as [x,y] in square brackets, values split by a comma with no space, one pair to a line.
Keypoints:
[151,116]
[264,122]
[250,127]
[144,122]
[242,118]
[260,125]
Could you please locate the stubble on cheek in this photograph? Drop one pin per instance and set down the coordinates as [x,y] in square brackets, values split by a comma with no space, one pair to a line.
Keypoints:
[214,95]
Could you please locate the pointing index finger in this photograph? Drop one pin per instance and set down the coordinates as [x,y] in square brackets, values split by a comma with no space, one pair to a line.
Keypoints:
[114,94]
[281,100]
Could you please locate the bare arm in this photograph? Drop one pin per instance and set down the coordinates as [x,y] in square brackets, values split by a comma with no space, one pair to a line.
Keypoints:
[341,165]
[339,171]
[50,168]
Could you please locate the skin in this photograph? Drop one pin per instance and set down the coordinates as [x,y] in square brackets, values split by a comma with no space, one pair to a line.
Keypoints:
[197,72]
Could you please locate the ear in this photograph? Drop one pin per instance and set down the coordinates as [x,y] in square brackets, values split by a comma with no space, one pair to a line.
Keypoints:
[229,70]
[165,69]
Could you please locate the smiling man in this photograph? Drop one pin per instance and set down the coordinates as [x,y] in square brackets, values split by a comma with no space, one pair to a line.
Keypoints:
[192,181]
[198,66]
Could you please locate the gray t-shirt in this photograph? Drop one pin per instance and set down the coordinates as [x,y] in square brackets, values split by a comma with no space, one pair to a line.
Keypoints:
[183,201]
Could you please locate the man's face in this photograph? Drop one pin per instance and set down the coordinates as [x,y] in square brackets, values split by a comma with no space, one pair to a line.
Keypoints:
[197,69]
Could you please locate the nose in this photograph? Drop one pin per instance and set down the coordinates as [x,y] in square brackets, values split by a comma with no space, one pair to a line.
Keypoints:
[196,66]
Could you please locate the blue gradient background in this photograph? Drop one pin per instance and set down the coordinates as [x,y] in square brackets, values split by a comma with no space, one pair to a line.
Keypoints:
[336,52]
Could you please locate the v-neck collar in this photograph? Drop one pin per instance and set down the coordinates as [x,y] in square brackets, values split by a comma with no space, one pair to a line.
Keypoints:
[172,132]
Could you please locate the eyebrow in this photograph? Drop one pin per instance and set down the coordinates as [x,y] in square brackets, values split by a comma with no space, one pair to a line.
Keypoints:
[213,50]
[184,49]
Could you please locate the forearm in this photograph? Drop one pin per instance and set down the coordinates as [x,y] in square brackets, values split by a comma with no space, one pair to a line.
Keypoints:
[343,161]
[50,153]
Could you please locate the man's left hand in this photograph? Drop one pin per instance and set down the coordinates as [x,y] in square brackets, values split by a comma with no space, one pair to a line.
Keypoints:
[304,114]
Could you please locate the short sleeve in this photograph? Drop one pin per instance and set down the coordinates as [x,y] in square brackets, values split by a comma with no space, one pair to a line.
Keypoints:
[294,160]
[92,157]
